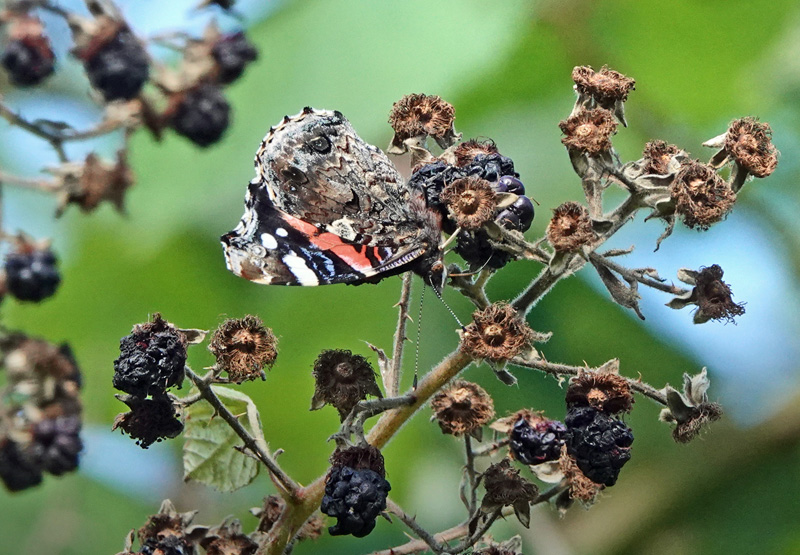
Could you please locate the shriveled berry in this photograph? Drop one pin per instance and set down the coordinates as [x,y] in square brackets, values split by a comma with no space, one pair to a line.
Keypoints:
[600,444]
[28,60]
[518,216]
[355,498]
[233,53]
[57,443]
[538,443]
[120,67]
[19,470]
[203,115]
[32,275]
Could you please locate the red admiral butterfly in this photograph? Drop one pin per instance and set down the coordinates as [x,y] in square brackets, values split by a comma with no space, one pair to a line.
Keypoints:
[326,207]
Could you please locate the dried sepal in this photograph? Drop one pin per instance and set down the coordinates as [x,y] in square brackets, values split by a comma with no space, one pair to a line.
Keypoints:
[570,228]
[464,153]
[419,116]
[712,296]
[496,333]
[228,539]
[359,458]
[169,531]
[487,546]
[505,487]
[626,296]
[661,158]
[470,201]
[244,347]
[700,195]
[342,379]
[272,509]
[690,410]
[604,390]
[462,407]
[606,86]
[748,144]
[88,183]
[581,488]
[589,131]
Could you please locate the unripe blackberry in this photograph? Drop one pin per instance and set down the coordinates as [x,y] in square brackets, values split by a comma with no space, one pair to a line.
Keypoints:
[28,60]
[518,216]
[18,469]
[31,274]
[119,68]
[233,53]
[57,443]
[537,442]
[202,116]
[355,498]
[600,444]
[152,358]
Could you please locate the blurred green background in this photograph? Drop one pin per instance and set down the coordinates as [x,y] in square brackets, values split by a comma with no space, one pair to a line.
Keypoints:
[506,68]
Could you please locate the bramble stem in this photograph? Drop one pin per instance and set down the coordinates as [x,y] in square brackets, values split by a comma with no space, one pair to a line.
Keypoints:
[391,381]
[632,275]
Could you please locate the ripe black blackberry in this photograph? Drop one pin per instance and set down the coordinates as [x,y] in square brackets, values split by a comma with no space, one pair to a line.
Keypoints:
[119,68]
[31,274]
[537,442]
[19,470]
[202,116]
[152,358]
[233,53]
[475,249]
[355,498]
[600,444]
[57,443]
[28,60]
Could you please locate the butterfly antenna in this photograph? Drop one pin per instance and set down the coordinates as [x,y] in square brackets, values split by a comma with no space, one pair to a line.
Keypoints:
[447,306]
[419,335]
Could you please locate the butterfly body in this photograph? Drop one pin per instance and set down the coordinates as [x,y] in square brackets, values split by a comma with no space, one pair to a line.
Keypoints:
[326,207]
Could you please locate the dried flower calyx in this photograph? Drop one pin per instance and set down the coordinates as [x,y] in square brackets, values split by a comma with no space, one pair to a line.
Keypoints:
[570,228]
[462,408]
[700,195]
[342,380]
[748,143]
[465,152]
[603,389]
[690,410]
[580,487]
[496,333]
[659,158]
[149,420]
[243,347]
[712,296]
[88,183]
[504,486]
[606,86]
[470,201]
[416,116]
[228,539]
[355,490]
[271,510]
[169,531]
[589,131]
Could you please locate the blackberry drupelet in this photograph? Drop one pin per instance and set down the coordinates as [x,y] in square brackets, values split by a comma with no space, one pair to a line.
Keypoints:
[150,362]
[119,68]
[18,469]
[233,53]
[57,443]
[600,444]
[31,275]
[202,116]
[538,443]
[355,498]
[28,60]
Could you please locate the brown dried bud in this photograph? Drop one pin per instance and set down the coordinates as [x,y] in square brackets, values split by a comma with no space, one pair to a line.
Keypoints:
[570,228]
[700,195]
[420,114]
[580,487]
[167,531]
[149,420]
[462,408]
[497,333]
[605,391]
[243,348]
[749,142]
[92,181]
[504,486]
[657,155]
[589,131]
[714,297]
[606,86]
[342,380]
[470,201]
[360,458]
[465,152]
[702,414]
[228,539]
[272,509]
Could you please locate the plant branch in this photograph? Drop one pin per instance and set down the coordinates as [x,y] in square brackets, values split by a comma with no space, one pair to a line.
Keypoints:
[633,275]
[391,381]
[28,183]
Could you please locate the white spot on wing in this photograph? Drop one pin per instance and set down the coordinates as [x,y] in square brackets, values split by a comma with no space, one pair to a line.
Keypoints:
[269,241]
[280,232]
[300,270]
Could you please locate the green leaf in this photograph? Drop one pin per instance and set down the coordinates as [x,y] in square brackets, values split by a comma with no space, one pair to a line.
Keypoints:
[209,455]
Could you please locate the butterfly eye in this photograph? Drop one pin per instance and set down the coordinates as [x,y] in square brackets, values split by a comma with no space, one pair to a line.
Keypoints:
[320,144]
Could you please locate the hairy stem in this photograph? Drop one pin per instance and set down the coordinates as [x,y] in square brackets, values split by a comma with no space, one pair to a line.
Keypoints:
[391,381]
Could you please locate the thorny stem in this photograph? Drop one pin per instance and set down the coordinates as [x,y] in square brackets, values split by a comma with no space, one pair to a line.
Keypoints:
[489,448]
[15,119]
[631,275]
[28,183]
[470,468]
[558,370]
[354,423]
[391,381]
[284,483]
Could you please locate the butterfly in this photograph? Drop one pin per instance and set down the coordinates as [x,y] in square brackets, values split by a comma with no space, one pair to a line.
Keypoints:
[326,207]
